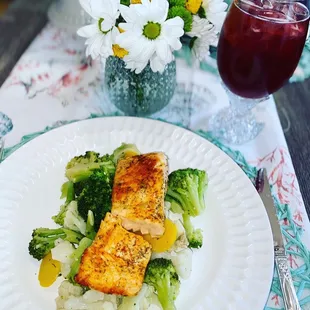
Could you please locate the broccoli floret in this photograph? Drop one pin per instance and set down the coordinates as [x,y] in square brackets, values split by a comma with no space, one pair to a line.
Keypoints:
[60,217]
[96,196]
[78,187]
[76,258]
[187,188]
[43,240]
[194,236]
[88,157]
[161,274]
[125,150]
[81,167]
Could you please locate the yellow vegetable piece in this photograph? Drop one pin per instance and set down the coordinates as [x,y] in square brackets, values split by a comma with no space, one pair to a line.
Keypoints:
[130,153]
[166,241]
[49,270]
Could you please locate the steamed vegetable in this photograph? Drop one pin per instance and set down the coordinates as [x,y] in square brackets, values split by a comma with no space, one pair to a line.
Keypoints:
[72,296]
[62,252]
[76,258]
[162,275]
[146,299]
[96,196]
[60,217]
[88,197]
[67,191]
[43,240]
[194,236]
[125,150]
[90,230]
[81,167]
[73,220]
[186,187]
[70,257]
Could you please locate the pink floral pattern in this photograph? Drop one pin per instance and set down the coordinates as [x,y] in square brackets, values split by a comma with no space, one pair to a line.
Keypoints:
[37,76]
[283,179]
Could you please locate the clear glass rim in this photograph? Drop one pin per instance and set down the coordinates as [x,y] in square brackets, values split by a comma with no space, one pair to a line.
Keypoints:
[235,2]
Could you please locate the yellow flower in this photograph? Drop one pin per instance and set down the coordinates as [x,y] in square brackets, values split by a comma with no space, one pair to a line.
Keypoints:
[193,5]
[119,51]
[135,1]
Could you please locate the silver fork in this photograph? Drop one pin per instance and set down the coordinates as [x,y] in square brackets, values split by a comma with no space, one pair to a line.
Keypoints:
[1,149]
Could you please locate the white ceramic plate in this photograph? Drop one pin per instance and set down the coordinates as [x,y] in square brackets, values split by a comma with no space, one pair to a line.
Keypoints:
[234,268]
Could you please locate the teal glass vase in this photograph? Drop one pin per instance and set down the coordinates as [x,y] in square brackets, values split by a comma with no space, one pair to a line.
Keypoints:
[138,94]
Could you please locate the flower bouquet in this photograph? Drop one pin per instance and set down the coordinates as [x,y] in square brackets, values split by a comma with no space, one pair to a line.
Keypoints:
[137,40]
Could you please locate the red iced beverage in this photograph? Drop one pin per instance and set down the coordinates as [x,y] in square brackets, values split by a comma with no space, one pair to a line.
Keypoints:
[260,46]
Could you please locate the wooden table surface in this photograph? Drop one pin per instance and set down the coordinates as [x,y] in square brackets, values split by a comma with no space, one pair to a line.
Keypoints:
[293,104]
[25,18]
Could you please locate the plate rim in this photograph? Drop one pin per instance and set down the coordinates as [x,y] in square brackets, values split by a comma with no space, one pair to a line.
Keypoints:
[172,127]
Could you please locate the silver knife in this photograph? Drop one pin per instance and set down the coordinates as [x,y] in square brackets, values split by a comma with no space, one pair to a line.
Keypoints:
[289,294]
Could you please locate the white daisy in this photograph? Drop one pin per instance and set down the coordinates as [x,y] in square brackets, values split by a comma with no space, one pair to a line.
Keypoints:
[201,45]
[201,27]
[99,34]
[215,12]
[148,36]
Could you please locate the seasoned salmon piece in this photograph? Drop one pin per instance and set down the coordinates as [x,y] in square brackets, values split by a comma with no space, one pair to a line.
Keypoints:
[116,261]
[139,191]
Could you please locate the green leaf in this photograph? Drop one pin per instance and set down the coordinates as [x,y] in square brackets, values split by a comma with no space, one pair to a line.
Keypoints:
[125,2]
[202,13]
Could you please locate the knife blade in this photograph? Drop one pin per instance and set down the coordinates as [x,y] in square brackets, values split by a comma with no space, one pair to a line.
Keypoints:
[290,299]
[263,188]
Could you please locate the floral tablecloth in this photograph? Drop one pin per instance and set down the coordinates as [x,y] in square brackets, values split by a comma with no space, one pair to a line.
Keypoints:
[53,84]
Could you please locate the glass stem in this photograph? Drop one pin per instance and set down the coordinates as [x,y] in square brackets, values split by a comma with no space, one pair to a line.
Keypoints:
[241,106]
[236,124]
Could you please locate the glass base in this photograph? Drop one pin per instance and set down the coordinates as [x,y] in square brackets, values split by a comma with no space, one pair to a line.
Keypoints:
[234,129]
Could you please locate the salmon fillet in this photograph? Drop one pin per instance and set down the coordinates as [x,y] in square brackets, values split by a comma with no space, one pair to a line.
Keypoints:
[139,191]
[116,261]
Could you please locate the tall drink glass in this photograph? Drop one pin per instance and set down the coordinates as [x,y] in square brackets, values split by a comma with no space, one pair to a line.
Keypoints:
[259,48]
